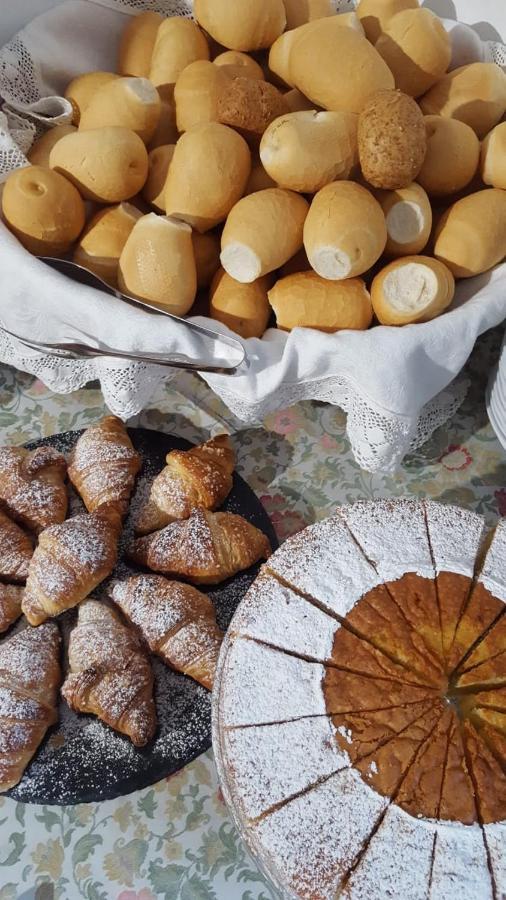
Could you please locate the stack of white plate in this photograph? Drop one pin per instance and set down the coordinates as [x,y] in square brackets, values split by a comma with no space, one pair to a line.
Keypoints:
[496,397]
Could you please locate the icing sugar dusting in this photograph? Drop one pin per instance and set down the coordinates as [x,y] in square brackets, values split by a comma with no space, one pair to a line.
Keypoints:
[495,837]
[456,536]
[460,863]
[493,574]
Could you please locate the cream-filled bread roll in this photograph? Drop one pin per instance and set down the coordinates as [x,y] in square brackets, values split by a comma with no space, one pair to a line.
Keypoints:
[101,243]
[105,164]
[412,289]
[262,232]
[125,102]
[157,263]
[345,231]
[179,42]
[471,236]
[303,151]
[392,141]
[376,14]
[241,25]
[493,157]
[474,94]
[40,150]
[43,210]
[240,63]
[159,161]
[244,308]
[305,300]
[81,90]
[206,249]
[137,44]
[258,180]
[197,93]
[452,157]
[417,50]
[408,216]
[207,176]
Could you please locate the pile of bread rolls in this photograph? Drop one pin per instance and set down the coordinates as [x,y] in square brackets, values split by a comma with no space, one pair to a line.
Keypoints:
[278,160]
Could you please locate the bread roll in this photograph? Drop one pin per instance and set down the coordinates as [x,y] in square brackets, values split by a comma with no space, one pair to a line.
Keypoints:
[43,210]
[376,14]
[137,43]
[345,231]
[305,300]
[166,130]
[417,50]
[412,289]
[41,149]
[241,63]
[244,308]
[451,161]
[127,103]
[83,88]
[197,93]
[105,164]
[303,151]
[206,249]
[262,232]
[296,101]
[391,140]
[471,236]
[241,25]
[250,105]
[281,50]
[179,42]
[170,283]
[258,180]
[207,175]
[474,94]
[159,161]
[493,157]
[298,12]
[408,215]
[100,245]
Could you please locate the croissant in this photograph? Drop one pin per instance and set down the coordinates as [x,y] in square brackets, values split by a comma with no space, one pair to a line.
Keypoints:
[16,550]
[110,673]
[32,486]
[29,680]
[206,548]
[11,596]
[177,622]
[103,465]
[69,562]
[201,476]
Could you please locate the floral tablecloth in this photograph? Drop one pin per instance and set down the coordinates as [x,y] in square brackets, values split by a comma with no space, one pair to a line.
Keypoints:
[175,839]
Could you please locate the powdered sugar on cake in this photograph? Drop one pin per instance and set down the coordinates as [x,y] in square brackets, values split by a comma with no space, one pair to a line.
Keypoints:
[456,536]
[460,863]
[493,573]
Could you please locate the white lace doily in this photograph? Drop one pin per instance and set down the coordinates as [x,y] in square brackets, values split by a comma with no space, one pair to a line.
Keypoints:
[390,411]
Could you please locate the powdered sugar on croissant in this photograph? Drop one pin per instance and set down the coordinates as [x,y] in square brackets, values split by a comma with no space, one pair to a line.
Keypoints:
[16,550]
[11,596]
[32,486]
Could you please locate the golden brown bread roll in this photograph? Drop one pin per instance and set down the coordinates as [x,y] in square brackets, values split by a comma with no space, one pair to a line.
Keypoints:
[41,149]
[471,236]
[172,283]
[298,12]
[137,43]
[280,53]
[493,157]
[417,50]
[345,231]
[83,88]
[241,25]
[126,102]
[99,247]
[206,249]
[207,175]
[241,63]
[262,231]
[43,210]
[412,289]
[159,161]
[452,157]
[179,42]
[303,151]
[105,164]
[244,308]
[392,141]
[474,94]
[305,300]
[166,130]
[197,92]
[376,14]
[258,180]
[408,216]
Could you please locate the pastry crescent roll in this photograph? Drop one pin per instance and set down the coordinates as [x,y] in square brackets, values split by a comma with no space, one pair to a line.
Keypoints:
[201,476]
[207,548]
[103,465]
[110,673]
[177,622]
[29,679]
[32,486]
[69,562]
[11,596]
[16,550]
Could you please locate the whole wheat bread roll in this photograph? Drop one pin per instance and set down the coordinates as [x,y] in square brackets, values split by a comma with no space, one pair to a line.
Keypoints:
[471,236]
[412,289]
[376,14]
[392,141]
[474,94]
[241,25]
[451,161]
[179,42]
[408,217]
[101,243]
[417,50]
[305,300]
[493,157]
[244,308]
[127,103]
[137,44]
[249,105]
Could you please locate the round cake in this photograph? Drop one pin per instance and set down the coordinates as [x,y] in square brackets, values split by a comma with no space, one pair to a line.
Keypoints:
[359,714]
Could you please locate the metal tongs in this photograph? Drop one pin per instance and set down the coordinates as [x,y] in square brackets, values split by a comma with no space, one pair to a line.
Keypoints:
[210,361]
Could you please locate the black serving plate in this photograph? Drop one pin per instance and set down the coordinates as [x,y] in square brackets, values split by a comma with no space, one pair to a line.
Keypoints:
[82,760]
